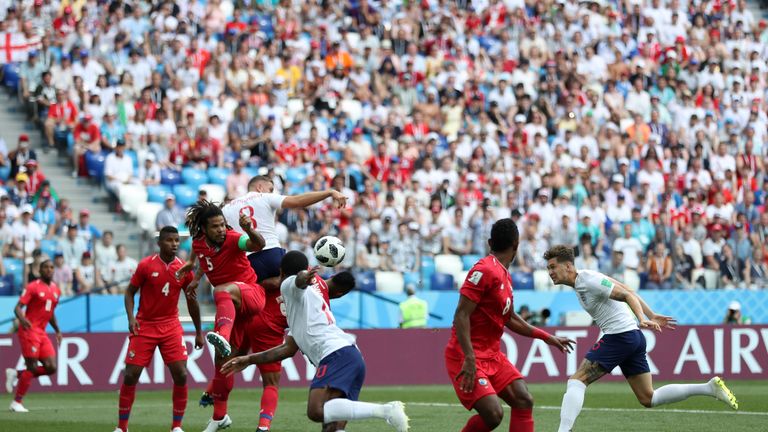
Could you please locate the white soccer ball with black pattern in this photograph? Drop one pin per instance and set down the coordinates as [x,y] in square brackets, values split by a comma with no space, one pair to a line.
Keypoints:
[329,251]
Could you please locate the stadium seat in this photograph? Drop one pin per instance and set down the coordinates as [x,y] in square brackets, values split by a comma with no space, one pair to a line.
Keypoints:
[156,194]
[134,158]
[389,282]
[542,281]
[412,278]
[216,193]
[469,260]
[131,196]
[94,165]
[442,282]
[49,247]
[366,281]
[631,279]
[296,176]
[6,286]
[711,279]
[353,108]
[170,177]
[194,177]
[147,215]
[5,171]
[11,76]
[186,195]
[578,319]
[295,106]
[459,277]
[448,263]
[522,281]
[251,171]
[15,268]
[218,176]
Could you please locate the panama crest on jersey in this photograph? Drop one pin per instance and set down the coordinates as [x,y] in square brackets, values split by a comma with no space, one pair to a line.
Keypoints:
[482,382]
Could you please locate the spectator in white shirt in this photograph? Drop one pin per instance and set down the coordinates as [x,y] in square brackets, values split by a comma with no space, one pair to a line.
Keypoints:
[713,246]
[118,168]
[26,233]
[120,271]
[630,247]
[149,173]
[106,253]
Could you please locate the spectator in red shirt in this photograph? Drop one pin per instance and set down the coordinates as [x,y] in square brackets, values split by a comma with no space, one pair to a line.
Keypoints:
[87,139]
[36,178]
[146,104]
[62,116]
[378,165]
[206,151]
[65,24]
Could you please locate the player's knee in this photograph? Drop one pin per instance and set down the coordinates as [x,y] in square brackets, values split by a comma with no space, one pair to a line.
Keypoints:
[522,400]
[315,413]
[493,417]
[131,377]
[50,368]
[180,377]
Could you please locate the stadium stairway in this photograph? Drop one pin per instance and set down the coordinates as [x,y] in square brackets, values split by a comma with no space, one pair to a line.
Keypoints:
[81,193]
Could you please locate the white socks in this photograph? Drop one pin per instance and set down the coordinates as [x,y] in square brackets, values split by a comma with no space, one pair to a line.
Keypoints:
[345,409]
[677,392]
[573,400]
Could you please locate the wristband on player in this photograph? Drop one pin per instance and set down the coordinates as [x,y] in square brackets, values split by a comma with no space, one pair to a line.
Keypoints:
[242,243]
[538,333]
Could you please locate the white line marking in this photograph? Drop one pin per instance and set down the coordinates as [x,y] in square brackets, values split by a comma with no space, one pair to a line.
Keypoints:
[557,408]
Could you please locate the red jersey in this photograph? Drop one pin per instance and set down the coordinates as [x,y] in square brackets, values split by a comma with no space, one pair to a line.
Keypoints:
[225,264]
[159,289]
[489,285]
[89,133]
[40,300]
[66,112]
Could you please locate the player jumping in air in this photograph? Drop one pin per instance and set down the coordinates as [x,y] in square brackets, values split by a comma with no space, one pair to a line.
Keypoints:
[220,251]
[340,367]
[267,330]
[157,325]
[477,367]
[40,299]
[622,343]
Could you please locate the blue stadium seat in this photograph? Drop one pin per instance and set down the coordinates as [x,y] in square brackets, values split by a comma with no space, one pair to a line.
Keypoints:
[49,247]
[296,176]
[157,193]
[412,278]
[194,177]
[186,195]
[11,76]
[251,171]
[522,281]
[366,281]
[15,268]
[218,176]
[442,282]
[427,270]
[170,177]
[468,261]
[94,164]
[334,155]
[134,158]
[6,286]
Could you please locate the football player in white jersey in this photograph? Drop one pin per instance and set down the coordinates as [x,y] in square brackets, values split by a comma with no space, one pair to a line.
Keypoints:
[622,343]
[340,367]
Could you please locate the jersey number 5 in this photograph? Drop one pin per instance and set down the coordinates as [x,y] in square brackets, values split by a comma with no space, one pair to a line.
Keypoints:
[166,289]
[209,263]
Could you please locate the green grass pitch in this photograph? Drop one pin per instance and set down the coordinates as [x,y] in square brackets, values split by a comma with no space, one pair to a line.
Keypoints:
[608,407]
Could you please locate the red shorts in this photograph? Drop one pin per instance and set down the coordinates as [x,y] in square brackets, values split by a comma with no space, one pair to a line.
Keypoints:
[168,337]
[264,337]
[493,375]
[36,344]
[251,298]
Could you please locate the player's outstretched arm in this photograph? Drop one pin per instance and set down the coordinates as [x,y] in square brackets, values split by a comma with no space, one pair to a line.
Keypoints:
[307,199]
[461,322]
[130,293]
[254,241]
[620,293]
[521,327]
[194,312]
[276,354]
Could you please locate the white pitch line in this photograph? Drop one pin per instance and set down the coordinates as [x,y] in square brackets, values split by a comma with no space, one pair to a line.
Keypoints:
[557,408]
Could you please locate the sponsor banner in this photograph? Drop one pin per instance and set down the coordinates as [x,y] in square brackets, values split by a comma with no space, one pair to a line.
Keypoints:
[402,357]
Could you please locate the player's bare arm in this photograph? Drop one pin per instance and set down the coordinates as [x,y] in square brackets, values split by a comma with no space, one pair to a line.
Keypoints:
[194,312]
[303,278]
[286,350]
[55,325]
[19,312]
[255,241]
[307,199]
[461,322]
[664,321]
[130,294]
[622,294]
[521,327]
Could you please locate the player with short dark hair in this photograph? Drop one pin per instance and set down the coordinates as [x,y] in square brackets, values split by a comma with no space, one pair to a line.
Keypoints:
[157,325]
[622,343]
[340,367]
[476,366]
[221,253]
[35,310]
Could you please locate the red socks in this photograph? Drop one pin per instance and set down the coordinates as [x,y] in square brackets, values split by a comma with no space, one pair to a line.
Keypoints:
[268,406]
[25,380]
[225,313]
[475,424]
[127,395]
[179,405]
[521,420]
[222,386]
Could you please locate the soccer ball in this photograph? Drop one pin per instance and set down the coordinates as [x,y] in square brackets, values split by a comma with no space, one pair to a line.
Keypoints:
[329,251]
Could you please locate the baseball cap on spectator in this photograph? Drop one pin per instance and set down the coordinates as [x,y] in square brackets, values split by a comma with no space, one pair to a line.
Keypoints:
[623,161]
[621,197]
[520,118]
[26,208]
[86,254]
[68,10]
[23,138]
[31,162]
[22,177]
[32,53]
[84,53]
[617,178]
[85,212]
[717,227]
[544,193]
[171,197]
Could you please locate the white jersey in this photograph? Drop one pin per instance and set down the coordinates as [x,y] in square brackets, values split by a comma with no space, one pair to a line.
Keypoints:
[594,290]
[261,208]
[311,322]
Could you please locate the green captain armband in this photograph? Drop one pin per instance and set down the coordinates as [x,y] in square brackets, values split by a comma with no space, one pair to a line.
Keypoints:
[243,242]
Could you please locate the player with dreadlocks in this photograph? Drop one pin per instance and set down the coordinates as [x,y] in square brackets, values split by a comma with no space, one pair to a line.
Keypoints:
[220,251]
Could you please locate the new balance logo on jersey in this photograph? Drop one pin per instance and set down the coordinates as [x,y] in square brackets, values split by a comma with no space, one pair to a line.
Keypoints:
[155,274]
[475,277]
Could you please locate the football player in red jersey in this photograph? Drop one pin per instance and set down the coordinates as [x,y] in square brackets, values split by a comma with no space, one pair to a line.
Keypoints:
[478,369]
[157,325]
[238,296]
[40,299]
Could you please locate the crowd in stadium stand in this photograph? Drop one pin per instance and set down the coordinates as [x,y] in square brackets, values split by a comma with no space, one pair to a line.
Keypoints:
[635,131]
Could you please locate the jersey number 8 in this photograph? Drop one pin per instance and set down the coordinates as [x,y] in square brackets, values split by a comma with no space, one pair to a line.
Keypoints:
[249,212]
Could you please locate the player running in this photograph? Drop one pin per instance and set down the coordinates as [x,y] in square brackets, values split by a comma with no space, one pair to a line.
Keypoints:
[622,344]
[267,330]
[157,326]
[340,367]
[477,367]
[40,299]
